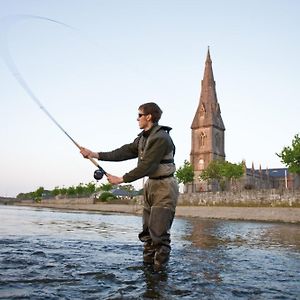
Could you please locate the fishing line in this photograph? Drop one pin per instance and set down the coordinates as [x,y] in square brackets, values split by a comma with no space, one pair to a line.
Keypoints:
[5,25]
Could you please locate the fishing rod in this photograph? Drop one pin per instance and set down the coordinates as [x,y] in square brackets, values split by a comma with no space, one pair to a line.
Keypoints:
[99,173]
[4,50]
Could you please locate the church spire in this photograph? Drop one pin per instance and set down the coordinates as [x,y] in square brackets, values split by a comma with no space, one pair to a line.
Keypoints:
[208,78]
[207,126]
[208,112]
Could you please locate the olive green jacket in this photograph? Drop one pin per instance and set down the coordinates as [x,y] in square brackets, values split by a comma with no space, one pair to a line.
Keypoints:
[155,152]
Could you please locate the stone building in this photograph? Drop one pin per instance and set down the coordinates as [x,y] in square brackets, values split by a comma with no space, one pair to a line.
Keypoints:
[276,178]
[207,128]
[208,143]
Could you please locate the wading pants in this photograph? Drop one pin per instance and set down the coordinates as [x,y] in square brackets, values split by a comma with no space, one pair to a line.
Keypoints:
[160,199]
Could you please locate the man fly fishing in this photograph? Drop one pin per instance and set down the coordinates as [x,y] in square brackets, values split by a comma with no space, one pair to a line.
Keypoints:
[155,151]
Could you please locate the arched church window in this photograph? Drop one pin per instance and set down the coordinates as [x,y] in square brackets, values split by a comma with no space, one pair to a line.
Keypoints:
[202,138]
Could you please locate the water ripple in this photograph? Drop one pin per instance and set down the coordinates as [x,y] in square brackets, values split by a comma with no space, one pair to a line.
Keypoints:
[94,256]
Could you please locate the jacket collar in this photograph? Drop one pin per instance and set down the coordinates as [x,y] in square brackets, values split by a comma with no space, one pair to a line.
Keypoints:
[153,129]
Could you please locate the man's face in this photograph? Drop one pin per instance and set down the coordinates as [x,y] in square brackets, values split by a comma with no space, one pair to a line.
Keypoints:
[144,120]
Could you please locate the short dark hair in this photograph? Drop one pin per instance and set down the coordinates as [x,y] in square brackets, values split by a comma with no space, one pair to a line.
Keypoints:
[152,109]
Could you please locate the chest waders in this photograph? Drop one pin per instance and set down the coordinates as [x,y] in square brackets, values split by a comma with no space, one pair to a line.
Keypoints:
[160,199]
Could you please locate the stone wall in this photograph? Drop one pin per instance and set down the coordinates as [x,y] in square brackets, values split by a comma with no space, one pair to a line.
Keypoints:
[68,201]
[269,197]
[248,198]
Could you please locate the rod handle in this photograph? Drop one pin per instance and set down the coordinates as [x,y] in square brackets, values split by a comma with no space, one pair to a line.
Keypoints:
[90,158]
[93,161]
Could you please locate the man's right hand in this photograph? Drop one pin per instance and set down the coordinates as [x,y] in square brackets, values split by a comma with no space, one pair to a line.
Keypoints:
[86,153]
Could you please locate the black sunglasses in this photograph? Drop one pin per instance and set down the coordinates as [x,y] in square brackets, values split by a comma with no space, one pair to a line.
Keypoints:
[140,115]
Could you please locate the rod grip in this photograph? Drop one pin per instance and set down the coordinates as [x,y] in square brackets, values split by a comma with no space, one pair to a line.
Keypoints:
[93,161]
[90,158]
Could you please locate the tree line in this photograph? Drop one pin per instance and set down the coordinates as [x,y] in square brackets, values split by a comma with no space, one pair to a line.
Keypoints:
[79,191]
[221,171]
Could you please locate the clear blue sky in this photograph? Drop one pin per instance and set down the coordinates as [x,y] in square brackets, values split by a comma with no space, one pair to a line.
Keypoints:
[123,53]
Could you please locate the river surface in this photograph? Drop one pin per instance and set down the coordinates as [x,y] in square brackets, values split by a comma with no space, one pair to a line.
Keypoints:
[48,254]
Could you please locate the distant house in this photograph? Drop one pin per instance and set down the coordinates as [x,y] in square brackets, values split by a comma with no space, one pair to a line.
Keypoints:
[47,194]
[269,178]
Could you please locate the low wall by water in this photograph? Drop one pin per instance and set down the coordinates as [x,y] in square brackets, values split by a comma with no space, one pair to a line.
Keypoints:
[68,201]
[269,197]
[248,198]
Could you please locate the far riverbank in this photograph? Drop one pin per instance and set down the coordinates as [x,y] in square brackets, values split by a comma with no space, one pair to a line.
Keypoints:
[268,214]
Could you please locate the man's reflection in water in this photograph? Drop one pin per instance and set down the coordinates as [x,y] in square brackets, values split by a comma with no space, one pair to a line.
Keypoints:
[213,252]
[203,235]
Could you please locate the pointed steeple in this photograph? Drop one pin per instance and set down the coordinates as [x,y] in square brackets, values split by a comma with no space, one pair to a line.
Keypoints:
[208,81]
[208,112]
[207,127]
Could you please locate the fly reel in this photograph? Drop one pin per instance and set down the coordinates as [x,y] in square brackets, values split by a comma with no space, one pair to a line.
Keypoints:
[99,173]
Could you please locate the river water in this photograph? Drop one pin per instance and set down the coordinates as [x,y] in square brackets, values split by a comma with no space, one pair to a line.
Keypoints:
[48,254]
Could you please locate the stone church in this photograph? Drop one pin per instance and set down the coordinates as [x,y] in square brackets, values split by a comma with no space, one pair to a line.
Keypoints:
[207,127]
[208,142]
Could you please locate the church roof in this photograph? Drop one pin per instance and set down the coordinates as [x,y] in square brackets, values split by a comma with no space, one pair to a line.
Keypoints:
[277,172]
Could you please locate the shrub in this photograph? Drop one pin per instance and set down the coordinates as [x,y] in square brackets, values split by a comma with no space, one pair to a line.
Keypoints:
[105,196]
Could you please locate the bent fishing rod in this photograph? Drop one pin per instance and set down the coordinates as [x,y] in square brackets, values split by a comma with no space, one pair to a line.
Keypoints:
[99,173]
[4,51]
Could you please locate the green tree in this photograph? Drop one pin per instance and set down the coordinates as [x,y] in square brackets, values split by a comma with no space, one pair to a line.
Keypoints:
[63,191]
[80,190]
[71,191]
[106,196]
[185,174]
[90,188]
[25,196]
[232,171]
[290,155]
[21,196]
[106,187]
[38,194]
[222,171]
[56,191]
[213,171]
